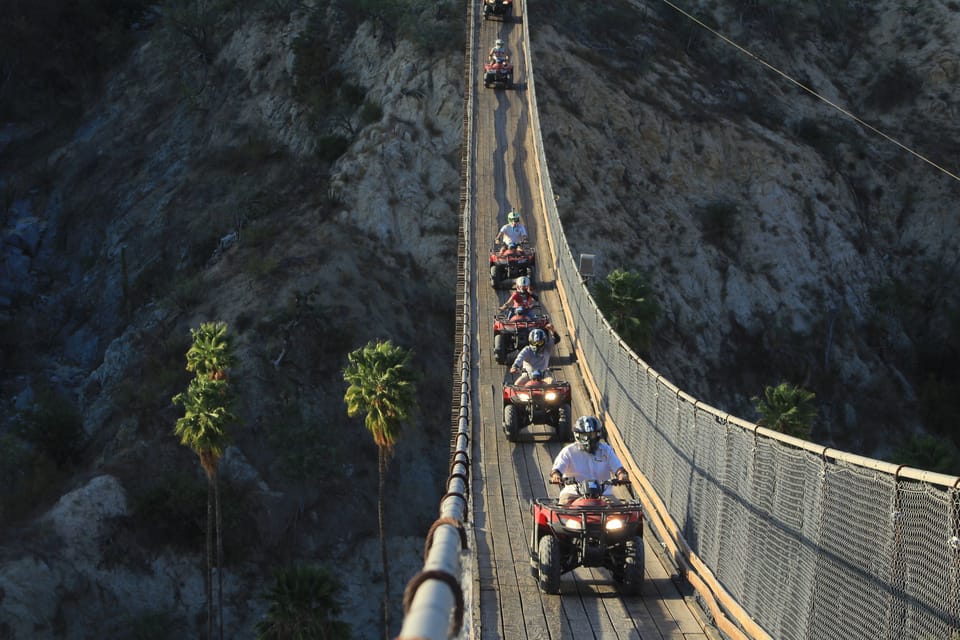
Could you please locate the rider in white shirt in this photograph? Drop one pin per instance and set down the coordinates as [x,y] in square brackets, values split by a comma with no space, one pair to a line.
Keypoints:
[513,232]
[498,51]
[586,459]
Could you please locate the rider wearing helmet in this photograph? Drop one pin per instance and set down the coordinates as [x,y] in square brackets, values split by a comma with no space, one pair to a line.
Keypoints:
[512,232]
[498,50]
[586,459]
[535,356]
[522,300]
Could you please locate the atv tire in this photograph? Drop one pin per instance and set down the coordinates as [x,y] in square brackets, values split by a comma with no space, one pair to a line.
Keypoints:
[548,570]
[511,422]
[496,275]
[500,348]
[633,567]
[564,430]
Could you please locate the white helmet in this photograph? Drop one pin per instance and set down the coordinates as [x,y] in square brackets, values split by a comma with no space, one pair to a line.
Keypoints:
[499,42]
[536,339]
[523,281]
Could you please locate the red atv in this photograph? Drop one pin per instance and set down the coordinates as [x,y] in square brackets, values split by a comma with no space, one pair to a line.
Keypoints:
[537,402]
[591,531]
[498,73]
[507,263]
[510,331]
[497,9]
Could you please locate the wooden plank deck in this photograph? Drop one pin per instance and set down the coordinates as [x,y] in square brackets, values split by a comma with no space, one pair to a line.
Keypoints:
[506,476]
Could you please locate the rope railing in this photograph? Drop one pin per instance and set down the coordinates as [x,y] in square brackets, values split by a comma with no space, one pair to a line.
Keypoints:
[437,599]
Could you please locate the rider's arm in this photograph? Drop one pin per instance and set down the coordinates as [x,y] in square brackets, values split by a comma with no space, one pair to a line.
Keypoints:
[553,334]
[562,463]
[518,362]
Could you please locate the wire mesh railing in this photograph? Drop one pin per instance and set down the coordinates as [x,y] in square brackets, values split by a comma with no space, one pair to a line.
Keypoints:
[811,542]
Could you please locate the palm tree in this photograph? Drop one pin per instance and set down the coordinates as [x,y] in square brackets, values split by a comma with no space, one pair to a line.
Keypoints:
[303,606]
[381,386]
[788,409]
[203,429]
[211,353]
[626,300]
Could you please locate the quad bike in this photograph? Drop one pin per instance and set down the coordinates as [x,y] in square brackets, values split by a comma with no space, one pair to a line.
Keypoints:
[537,402]
[498,73]
[510,332]
[591,531]
[511,264]
[497,9]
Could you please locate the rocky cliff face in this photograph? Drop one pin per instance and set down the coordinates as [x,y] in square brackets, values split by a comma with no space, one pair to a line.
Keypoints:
[785,240]
[205,185]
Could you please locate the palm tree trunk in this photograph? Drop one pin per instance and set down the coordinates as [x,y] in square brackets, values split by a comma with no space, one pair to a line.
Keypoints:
[382,459]
[208,578]
[216,494]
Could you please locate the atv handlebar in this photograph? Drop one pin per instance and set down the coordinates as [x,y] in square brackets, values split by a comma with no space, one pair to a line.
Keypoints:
[609,482]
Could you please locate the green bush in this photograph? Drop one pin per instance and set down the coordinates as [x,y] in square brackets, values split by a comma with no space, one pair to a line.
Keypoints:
[370,112]
[898,84]
[173,512]
[54,428]
[152,625]
[718,220]
[195,22]
[930,453]
[331,147]
[788,409]
[26,477]
[940,406]
[626,300]
[303,602]
[298,453]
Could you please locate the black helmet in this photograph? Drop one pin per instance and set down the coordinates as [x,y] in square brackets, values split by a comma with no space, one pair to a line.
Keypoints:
[587,433]
[536,339]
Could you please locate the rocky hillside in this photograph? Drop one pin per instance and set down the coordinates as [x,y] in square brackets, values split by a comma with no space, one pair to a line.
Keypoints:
[785,241]
[291,168]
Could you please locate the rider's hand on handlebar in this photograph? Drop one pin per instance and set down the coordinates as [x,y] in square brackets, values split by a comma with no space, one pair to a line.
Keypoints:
[556,478]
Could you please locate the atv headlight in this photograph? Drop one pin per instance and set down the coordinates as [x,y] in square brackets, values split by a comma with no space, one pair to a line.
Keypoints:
[550,396]
[614,524]
[524,397]
[572,523]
